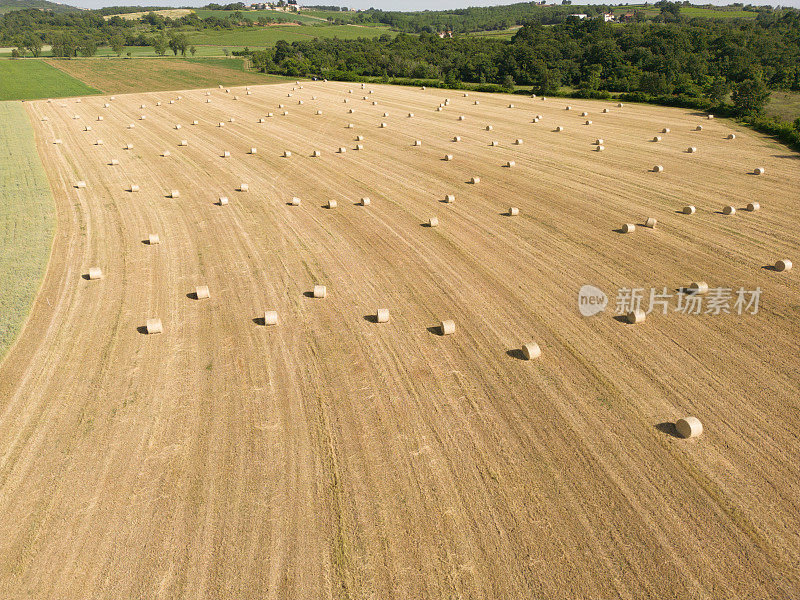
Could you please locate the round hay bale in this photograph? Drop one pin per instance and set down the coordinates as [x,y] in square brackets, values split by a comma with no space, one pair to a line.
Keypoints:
[220,124]
[628,228]
[510,106]
[657,138]
[320,291]
[386,114]
[489,128]
[365,201]
[699,128]
[165,153]
[449,198]
[153,239]
[270,317]
[418,142]
[559,128]
[154,326]
[99,118]
[177,126]
[80,184]
[729,210]
[689,427]
[588,123]
[531,351]
[201,292]
[130,126]
[620,105]
[226,154]
[183,143]
[544,98]
[195,122]
[384,125]
[691,150]
[535,119]
[476,103]
[457,138]
[174,194]
[731,136]
[518,142]
[319,112]
[448,157]
[142,117]
[253,150]
[511,164]
[494,143]
[758,171]
[342,150]
[447,327]
[599,148]
[316,154]
[287,154]
[462,118]
[466,95]
[98,143]
[567,108]
[350,126]
[433,222]
[382,316]
[114,162]
[244,187]
[222,201]
[359,146]
[753,206]
[208,100]
[475,180]
[665,130]
[231,120]
[410,115]
[95,273]
[689,210]
[76,117]
[332,204]
[710,117]
[605,110]
[158,103]
[281,106]
[345,101]
[295,201]
[438,109]
[658,169]
[783,265]
[89,127]
[45,118]
[650,223]
[636,316]
[299,102]
[374,103]
[133,188]
[513,211]
[698,288]
[359,138]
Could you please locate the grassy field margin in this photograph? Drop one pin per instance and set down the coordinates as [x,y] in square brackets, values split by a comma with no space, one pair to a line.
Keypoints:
[27,221]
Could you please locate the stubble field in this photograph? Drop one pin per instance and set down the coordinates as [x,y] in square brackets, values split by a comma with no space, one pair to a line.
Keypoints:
[331,456]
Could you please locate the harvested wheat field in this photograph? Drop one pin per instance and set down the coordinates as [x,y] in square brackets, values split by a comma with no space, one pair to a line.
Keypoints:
[325,454]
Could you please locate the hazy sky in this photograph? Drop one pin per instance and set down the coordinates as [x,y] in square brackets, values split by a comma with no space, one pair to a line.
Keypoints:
[383,4]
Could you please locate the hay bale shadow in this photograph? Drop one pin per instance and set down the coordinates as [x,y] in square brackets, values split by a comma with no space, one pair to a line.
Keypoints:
[435,330]
[259,321]
[192,295]
[371,318]
[142,329]
[308,294]
[668,427]
[769,268]
[516,353]
[621,319]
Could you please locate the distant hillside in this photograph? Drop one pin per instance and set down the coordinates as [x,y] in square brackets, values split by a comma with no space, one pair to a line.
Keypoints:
[9,5]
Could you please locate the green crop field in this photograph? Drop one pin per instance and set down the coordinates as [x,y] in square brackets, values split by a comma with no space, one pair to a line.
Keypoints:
[26,220]
[784,105]
[267,36]
[689,11]
[32,79]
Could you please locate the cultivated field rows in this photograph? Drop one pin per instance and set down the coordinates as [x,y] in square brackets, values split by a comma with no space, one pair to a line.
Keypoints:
[332,456]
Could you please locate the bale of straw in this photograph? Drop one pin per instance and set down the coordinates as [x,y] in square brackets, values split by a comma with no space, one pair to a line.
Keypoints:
[99,118]
[447,327]
[513,211]
[438,109]
[731,136]
[665,130]
[462,118]
[567,108]
[153,239]
[689,427]
[475,180]
[657,138]
[201,291]
[89,128]
[494,143]
[253,150]
[418,142]
[320,291]
[658,169]
[636,316]
[691,150]
[222,201]
[158,103]
[114,162]
[299,102]
[80,184]
[433,222]
[559,128]
[531,351]
[244,187]
[729,210]
[332,204]
[226,154]
[476,102]
[295,201]
[154,326]
[628,228]
[350,126]
[98,143]
[489,128]
[710,117]
[457,138]
[270,317]
[165,153]
[319,112]
[449,198]
[365,201]
[359,146]
[599,148]
[287,154]
[753,206]
[142,117]
[783,265]
[220,124]
[183,143]
[689,210]
[177,126]
[448,157]
[650,223]
[95,273]
[588,123]
[620,105]
[359,138]
[174,194]
[45,118]
[316,154]
[699,128]
[510,106]
[698,288]
[584,114]
[758,171]
[231,120]
[511,164]
[133,188]
[386,114]
[518,142]
[342,150]
[410,115]
[605,110]
[285,113]
[384,125]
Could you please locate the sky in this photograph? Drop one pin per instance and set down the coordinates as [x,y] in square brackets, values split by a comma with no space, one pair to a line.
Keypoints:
[389,4]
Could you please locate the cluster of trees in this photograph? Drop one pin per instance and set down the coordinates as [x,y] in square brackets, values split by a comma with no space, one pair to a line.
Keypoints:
[700,59]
